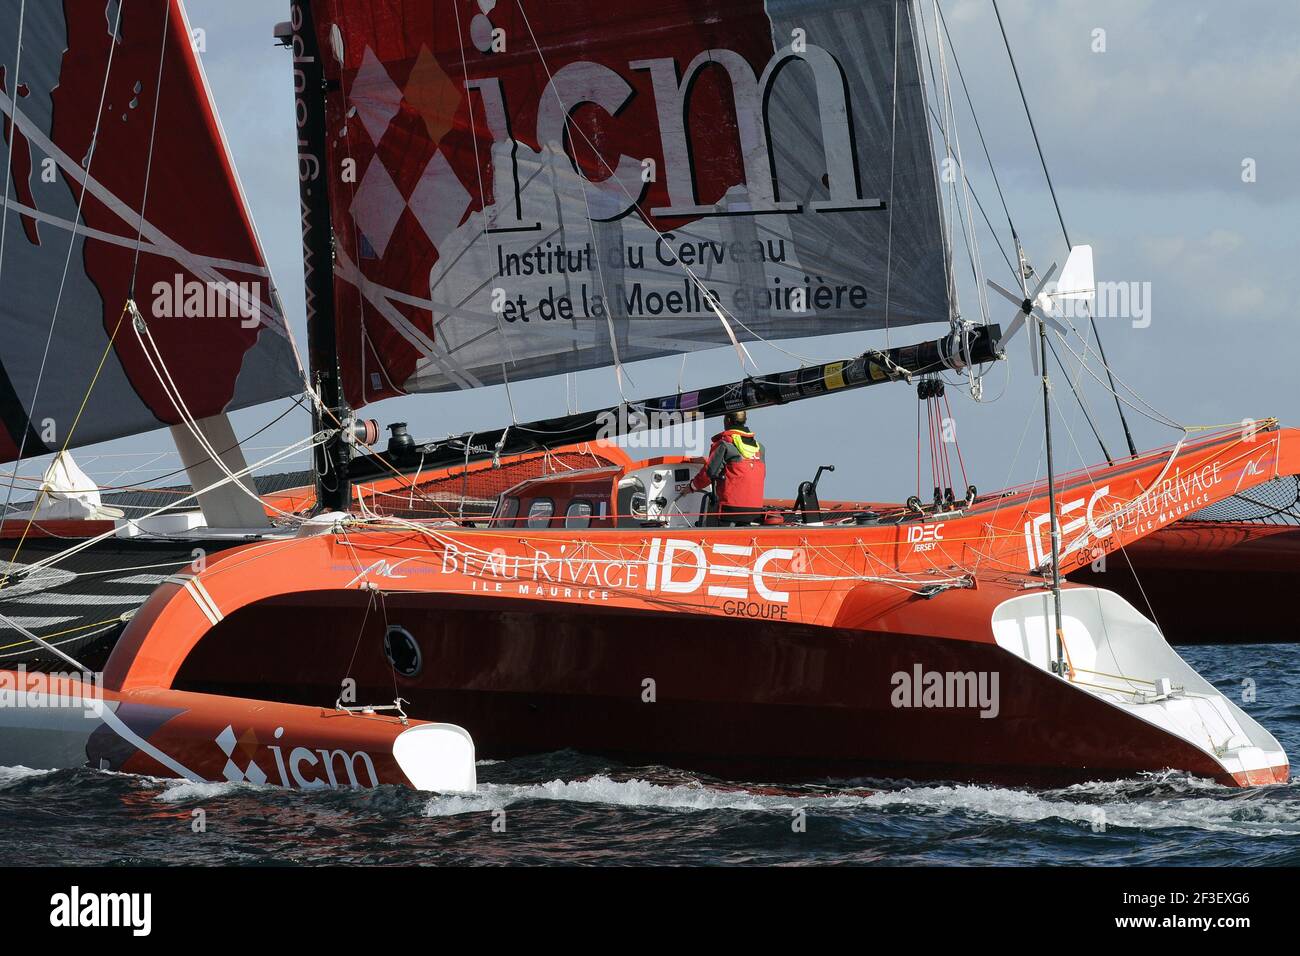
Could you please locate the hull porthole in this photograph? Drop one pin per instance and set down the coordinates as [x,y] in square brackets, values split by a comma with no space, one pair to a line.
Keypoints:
[402,651]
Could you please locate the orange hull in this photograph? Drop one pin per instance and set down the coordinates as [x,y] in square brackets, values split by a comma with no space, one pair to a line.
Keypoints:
[50,722]
[1193,574]
[495,609]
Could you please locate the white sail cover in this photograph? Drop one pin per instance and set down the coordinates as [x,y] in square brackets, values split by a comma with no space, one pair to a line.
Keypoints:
[530,188]
[118,171]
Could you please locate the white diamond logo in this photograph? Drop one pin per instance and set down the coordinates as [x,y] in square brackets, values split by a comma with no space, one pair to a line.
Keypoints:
[375,96]
[439,200]
[226,740]
[377,206]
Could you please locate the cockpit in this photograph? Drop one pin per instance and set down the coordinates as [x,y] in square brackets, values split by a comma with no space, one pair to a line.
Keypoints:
[656,493]
[653,493]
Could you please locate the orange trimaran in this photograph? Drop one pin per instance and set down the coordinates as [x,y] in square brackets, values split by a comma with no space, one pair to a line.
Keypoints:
[492,192]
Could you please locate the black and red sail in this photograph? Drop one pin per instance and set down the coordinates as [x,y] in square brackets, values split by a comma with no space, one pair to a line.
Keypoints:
[522,189]
[121,186]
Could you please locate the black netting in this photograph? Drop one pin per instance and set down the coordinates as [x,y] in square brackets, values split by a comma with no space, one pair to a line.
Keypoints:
[1275,502]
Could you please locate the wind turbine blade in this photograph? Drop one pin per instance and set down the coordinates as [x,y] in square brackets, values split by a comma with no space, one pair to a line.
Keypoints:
[1016,298]
[1049,321]
[1016,324]
[1047,277]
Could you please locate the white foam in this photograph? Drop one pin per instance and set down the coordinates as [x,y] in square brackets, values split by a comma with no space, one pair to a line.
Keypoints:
[1250,817]
[11,775]
[178,791]
[632,793]
[1091,806]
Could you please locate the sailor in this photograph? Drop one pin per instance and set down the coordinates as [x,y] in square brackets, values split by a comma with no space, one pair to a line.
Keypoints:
[736,471]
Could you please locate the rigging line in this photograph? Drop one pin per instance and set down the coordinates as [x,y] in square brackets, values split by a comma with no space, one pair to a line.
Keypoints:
[69,634]
[956,444]
[173,393]
[976,258]
[297,404]
[366,345]
[940,120]
[1122,548]
[1032,128]
[148,166]
[917,39]
[997,182]
[510,400]
[918,448]
[993,232]
[44,644]
[893,145]
[72,241]
[67,441]
[478,169]
[968,223]
[405,480]
[719,309]
[1128,436]
[119,477]
[600,266]
[13,136]
[1154,413]
[83,543]
[979,129]
[1082,404]
[949,273]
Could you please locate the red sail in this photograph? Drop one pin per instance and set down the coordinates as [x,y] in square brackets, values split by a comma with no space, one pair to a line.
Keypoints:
[522,189]
[121,185]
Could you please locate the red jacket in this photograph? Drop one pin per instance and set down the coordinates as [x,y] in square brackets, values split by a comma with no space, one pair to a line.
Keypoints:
[736,470]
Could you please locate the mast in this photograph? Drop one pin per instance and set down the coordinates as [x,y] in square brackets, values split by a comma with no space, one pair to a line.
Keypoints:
[331,461]
[1058,665]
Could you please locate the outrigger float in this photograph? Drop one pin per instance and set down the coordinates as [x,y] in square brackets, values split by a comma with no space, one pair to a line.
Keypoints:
[535,583]
[68,721]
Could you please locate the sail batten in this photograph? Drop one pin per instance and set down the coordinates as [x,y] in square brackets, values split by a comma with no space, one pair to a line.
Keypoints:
[526,190]
[122,186]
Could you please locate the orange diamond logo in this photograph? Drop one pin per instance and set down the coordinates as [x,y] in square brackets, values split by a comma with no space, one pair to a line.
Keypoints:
[432,94]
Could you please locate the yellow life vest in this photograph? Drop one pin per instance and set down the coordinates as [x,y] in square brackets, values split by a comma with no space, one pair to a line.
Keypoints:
[746,444]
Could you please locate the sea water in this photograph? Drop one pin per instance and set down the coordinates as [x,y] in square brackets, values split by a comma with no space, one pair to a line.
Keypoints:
[572,808]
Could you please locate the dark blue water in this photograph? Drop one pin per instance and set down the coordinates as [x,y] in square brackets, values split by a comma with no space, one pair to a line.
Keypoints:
[572,809]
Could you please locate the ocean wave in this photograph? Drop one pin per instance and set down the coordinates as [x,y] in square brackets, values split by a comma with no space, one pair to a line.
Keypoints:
[1158,803]
[12,775]
[1112,806]
[601,789]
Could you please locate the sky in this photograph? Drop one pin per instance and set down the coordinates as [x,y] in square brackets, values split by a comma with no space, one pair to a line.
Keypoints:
[1150,128]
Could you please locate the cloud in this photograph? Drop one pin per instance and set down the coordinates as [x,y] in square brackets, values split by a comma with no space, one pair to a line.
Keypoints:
[1181,95]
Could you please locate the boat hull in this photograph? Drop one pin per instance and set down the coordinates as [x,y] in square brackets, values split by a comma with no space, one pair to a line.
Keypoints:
[54,722]
[775,651]
[1195,576]
[736,697]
